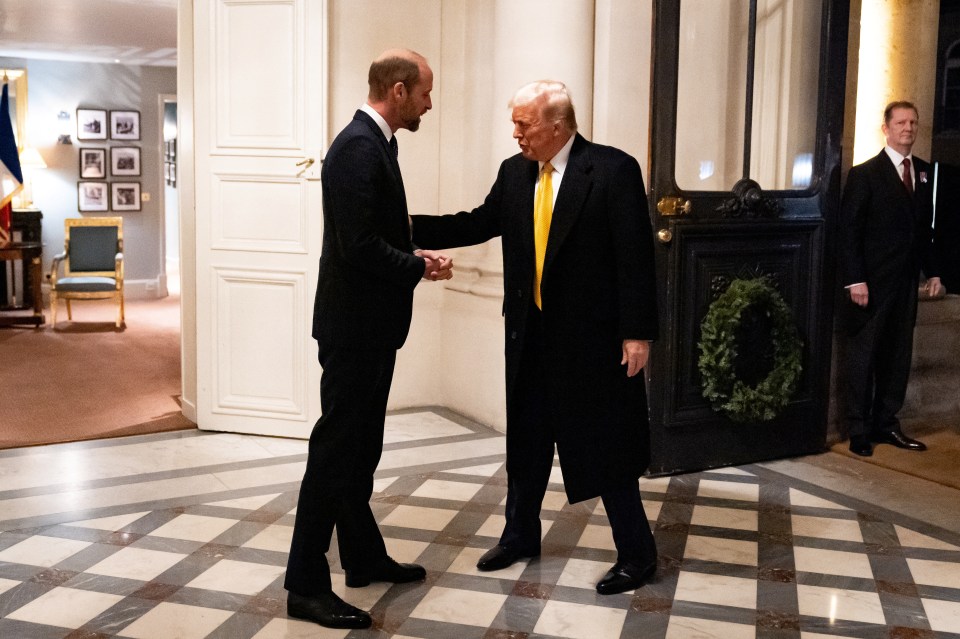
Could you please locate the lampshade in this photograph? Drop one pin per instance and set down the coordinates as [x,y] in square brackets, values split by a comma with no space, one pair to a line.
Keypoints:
[30,158]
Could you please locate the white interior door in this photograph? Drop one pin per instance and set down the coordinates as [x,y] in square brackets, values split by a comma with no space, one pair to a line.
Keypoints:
[259,113]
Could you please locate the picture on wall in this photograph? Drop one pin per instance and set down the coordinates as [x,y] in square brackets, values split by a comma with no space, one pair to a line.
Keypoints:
[92,196]
[125,125]
[125,160]
[93,163]
[125,196]
[91,124]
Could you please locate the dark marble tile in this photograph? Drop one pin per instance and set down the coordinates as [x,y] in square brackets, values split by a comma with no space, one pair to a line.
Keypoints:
[155,591]
[239,626]
[519,614]
[53,577]
[778,620]
[531,590]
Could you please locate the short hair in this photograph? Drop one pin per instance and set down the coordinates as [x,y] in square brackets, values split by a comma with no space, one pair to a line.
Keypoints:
[395,66]
[559,104]
[898,104]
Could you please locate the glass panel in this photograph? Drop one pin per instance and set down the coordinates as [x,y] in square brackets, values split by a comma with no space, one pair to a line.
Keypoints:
[786,74]
[711,88]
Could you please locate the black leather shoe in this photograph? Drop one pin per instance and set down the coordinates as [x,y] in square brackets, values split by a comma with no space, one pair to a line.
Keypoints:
[327,610]
[623,577]
[860,445]
[390,571]
[899,440]
[499,557]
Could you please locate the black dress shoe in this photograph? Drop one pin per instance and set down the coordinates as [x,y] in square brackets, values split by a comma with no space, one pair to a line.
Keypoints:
[623,577]
[389,570]
[499,557]
[899,440]
[860,445]
[328,610]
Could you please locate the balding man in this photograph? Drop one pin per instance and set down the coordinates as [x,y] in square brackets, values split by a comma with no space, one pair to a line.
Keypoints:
[580,309]
[361,316]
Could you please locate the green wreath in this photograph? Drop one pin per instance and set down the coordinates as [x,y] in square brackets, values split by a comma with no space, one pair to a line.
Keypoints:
[722,387]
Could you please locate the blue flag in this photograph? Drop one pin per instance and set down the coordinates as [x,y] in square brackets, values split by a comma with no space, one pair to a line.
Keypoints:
[11,175]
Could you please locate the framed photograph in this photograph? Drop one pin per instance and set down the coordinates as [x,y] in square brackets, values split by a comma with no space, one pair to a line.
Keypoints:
[92,196]
[125,125]
[93,163]
[91,124]
[125,160]
[125,196]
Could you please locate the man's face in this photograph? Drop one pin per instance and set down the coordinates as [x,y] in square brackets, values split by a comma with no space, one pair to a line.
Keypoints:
[417,100]
[901,130]
[538,139]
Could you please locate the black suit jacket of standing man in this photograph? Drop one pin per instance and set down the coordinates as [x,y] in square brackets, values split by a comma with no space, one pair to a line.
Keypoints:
[885,242]
[598,288]
[362,312]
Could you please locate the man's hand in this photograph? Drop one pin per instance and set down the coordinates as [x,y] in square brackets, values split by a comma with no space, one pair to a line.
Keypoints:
[635,354]
[859,294]
[934,288]
[437,266]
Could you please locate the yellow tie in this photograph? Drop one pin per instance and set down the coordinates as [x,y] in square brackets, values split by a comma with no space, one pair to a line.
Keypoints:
[542,214]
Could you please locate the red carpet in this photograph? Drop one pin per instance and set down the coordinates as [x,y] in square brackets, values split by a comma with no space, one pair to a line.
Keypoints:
[87,379]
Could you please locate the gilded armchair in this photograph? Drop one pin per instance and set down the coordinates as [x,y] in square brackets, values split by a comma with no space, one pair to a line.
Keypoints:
[92,264]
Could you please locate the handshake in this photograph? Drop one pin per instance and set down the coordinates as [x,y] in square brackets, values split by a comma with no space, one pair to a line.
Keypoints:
[437,266]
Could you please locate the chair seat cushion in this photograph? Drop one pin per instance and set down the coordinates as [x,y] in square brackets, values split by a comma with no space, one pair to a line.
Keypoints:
[86,284]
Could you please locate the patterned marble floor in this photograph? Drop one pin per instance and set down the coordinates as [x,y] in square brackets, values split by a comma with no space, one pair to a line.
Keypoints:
[184,536]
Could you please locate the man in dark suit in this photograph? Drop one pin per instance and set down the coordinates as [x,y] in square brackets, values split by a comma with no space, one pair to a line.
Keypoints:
[885,242]
[580,309]
[362,312]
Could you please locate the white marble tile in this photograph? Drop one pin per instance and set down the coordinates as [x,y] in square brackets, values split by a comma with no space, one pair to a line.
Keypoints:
[441,453]
[731,470]
[247,503]
[363,598]
[274,537]
[719,590]
[655,484]
[817,635]
[65,607]
[935,573]
[944,616]
[419,517]
[826,528]
[459,606]
[169,620]
[730,551]
[832,562]
[552,500]
[583,573]
[494,524]
[728,490]
[405,550]
[296,629]
[257,477]
[239,577]
[136,563]
[443,489]
[651,509]
[579,621]
[466,564]
[834,604]
[595,536]
[691,628]
[194,527]
[112,524]
[913,539]
[800,498]
[486,470]
[281,446]
[735,518]
[42,551]
[380,485]
[556,475]
[420,426]
[7,584]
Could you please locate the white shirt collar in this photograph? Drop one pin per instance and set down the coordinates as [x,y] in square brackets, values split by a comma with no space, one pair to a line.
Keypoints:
[559,161]
[384,127]
[896,157]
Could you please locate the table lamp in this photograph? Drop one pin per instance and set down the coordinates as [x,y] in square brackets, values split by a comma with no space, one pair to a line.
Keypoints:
[30,160]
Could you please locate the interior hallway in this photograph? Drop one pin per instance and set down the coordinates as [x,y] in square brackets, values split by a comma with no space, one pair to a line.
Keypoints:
[185,535]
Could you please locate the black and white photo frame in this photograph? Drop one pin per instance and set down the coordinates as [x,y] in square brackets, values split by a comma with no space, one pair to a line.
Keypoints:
[92,124]
[125,161]
[125,196]
[93,163]
[124,125]
[92,197]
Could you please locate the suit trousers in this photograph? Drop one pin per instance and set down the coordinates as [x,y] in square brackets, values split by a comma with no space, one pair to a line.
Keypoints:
[345,448]
[877,357]
[530,451]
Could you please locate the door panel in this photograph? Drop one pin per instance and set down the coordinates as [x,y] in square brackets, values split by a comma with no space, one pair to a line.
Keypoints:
[743,186]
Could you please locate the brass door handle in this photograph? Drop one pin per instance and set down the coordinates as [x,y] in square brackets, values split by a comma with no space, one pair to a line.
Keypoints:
[306,164]
[672,205]
[665,236]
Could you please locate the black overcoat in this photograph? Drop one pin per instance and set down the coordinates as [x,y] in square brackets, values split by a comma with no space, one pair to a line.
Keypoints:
[598,288]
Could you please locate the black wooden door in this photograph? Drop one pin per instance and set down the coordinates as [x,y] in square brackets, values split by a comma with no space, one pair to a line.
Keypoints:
[746,117]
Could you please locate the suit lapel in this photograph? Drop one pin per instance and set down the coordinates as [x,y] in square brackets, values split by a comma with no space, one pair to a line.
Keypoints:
[389,156]
[574,188]
[892,173]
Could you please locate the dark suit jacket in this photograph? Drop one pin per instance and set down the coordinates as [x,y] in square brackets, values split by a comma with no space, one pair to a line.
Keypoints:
[367,275]
[885,232]
[598,289]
